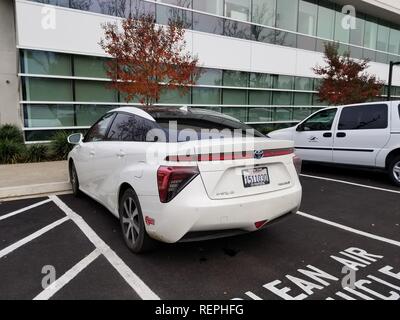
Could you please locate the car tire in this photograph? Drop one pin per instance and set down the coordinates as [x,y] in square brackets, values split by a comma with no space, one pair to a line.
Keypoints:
[132,224]
[394,170]
[73,178]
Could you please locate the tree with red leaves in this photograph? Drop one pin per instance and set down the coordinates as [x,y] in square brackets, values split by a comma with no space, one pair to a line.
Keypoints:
[148,59]
[344,80]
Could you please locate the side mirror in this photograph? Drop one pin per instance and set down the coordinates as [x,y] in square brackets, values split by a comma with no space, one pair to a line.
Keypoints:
[75,138]
[300,128]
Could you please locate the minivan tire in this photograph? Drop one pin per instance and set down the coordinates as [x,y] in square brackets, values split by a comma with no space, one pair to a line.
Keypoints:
[394,166]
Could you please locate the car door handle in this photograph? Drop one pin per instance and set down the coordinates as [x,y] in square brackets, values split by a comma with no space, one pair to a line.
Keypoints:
[92,153]
[341,135]
[121,154]
[327,135]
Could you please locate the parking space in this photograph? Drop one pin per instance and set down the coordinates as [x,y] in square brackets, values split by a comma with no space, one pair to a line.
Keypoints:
[347,219]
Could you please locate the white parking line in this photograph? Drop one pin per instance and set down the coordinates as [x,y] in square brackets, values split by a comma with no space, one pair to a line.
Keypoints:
[130,277]
[359,232]
[31,237]
[8,215]
[52,289]
[350,183]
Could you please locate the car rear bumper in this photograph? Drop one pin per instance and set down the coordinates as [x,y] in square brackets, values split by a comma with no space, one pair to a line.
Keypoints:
[193,211]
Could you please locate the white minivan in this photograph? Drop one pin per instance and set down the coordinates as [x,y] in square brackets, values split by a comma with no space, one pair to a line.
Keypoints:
[365,134]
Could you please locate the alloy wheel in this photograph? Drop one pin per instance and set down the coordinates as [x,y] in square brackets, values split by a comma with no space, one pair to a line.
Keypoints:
[130,220]
[396,171]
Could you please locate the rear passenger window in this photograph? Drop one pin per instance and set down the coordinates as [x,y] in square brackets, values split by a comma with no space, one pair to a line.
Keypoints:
[128,127]
[364,117]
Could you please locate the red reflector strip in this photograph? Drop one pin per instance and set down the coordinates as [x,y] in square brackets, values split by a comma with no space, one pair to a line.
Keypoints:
[260,224]
[229,156]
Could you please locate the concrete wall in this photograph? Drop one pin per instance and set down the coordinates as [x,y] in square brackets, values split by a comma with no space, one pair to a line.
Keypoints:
[9,84]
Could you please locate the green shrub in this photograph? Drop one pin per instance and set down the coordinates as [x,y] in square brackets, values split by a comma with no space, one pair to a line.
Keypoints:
[36,153]
[59,146]
[11,151]
[11,133]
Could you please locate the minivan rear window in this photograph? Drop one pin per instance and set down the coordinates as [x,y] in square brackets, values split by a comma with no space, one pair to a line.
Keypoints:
[364,117]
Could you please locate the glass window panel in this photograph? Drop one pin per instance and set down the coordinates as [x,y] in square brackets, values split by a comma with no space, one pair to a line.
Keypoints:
[282,98]
[61,3]
[174,97]
[264,12]
[369,54]
[237,113]
[371,32]
[382,57]
[308,11]
[302,99]
[383,38]
[38,89]
[260,114]
[306,43]
[262,34]
[165,14]
[235,78]
[234,97]
[356,52]
[93,67]
[49,116]
[283,82]
[209,24]
[302,83]
[179,3]
[136,8]
[46,135]
[286,14]
[206,96]
[238,9]
[357,34]
[94,91]
[394,41]
[260,80]
[87,115]
[286,39]
[282,114]
[262,98]
[103,7]
[210,6]
[326,20]
[237,29]
[49,63]
[212,77]
[365,117]
[341,34]
[300,114]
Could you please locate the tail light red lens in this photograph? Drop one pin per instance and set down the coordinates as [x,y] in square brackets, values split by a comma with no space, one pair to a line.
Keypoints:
[297,163]
[172,180]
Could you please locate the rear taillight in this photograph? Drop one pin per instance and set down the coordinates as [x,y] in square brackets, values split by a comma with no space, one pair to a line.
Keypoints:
[297,163]
[172,180]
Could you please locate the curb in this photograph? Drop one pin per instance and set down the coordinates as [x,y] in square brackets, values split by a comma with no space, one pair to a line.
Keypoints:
[34,189]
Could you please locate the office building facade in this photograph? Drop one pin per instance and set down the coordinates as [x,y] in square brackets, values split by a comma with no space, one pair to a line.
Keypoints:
[257,56]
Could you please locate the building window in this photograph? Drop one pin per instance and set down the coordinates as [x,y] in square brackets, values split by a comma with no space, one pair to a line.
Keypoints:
[40,89]
[262,98]
[238,113]
[208,24]
[206,96]
[94,91]
[234,97]
[260,114]
[92,67]
[48,116]
[211,6]
[286,14]
[371,32]
[282,98]
[49,63]
[238,9]
[235,79]
[264,12]
[87,115]
[283,82]
[210,77]
[308,11]
[260,80]
[326,20]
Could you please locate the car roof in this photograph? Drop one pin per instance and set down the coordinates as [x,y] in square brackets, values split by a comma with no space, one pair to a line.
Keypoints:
[158,112]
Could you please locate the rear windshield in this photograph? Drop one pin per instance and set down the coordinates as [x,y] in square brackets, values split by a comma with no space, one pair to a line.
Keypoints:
[190,129]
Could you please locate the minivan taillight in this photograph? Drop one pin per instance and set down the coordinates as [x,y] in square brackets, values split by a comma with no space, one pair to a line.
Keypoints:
[297,164]
[172,180]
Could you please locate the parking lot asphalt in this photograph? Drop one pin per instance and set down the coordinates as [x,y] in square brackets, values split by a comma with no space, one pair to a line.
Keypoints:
[348,218]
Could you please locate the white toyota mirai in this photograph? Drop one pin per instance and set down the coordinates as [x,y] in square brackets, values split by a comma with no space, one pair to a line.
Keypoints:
[173,174]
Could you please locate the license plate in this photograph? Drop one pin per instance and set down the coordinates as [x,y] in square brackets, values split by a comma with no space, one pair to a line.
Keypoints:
[255,177]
